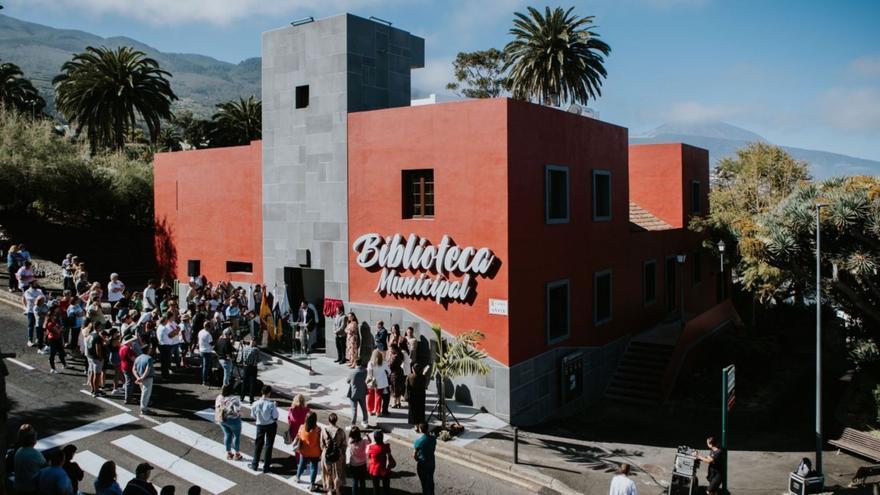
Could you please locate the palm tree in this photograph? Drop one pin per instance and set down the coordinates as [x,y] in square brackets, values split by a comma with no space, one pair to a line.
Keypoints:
[104,91]
[17,92]
[458,358]
[237,122]
[555,58]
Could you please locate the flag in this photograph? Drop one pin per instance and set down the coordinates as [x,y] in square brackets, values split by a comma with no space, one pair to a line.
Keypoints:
[251,304]
[267,319]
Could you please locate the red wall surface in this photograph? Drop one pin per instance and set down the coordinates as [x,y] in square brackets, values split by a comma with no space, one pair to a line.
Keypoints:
[210,204]
[656,185]
[465,143]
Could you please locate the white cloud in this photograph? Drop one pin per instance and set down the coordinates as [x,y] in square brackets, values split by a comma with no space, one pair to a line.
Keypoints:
[868,66]
[433,77]
[852,109]
[218,12]
[693,111]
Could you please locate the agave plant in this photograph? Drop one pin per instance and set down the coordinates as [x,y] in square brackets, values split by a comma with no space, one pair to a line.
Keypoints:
[457,358]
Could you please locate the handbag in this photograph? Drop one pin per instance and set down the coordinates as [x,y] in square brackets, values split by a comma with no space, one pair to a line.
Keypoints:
[371,380]
[391,463]
[220,411]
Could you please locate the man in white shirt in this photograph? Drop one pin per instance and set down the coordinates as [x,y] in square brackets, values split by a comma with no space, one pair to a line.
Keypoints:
[115,288]
[621,484]
[150,297]
[206,351]
[166,333]
[29,301]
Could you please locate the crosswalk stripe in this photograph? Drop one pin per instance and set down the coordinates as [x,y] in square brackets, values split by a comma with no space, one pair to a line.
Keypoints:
[175,465]
[247,429]
[91,463]
[70,436]
[23,365]
[202,444]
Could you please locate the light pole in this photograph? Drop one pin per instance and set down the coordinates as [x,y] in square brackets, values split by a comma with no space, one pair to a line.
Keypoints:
[721,250]
[681,259]
[819,207]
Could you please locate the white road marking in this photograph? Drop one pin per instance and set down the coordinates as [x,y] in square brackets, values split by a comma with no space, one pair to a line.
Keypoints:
[175,465]
[107,401]
[247,429]
[91,463]
[84,431]
[203,444]
[23,365]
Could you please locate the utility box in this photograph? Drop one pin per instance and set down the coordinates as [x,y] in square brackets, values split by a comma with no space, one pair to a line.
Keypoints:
[802,485]
[684,473]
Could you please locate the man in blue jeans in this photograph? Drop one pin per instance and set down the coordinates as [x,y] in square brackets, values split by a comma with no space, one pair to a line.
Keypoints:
[423,453]
[357,393]
[265,414]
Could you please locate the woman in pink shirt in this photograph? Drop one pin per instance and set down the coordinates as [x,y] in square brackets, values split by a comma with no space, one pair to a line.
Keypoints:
[357,460]
[296,416]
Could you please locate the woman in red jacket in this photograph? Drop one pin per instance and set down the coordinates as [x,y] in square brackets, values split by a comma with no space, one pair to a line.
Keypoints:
[380,462]
[54,339]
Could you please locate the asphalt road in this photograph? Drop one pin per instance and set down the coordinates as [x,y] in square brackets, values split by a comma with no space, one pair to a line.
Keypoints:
[177,441]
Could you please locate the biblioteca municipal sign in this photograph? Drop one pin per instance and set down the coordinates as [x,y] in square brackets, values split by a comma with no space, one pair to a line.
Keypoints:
[413,267]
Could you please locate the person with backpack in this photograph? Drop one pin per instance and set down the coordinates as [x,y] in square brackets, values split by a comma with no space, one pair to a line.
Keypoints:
[333,457]
[380,462]
[309,438]
[227,412]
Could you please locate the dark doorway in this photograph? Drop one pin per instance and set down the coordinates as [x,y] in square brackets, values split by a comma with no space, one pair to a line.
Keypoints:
[307,284]
[670,284]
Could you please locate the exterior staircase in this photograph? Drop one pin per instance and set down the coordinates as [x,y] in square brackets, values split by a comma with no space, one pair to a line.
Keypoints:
[639,376]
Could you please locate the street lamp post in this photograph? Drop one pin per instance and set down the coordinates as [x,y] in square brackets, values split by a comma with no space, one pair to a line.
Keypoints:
[721,248]
[681,259]
[818,466]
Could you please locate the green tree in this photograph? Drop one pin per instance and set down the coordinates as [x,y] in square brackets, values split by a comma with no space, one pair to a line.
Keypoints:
[455,359]
[850,230]
[104,92]
[193,131]
[237,122]
[19,93]
[479,74]
[555,58]
[745,187]
[169,139]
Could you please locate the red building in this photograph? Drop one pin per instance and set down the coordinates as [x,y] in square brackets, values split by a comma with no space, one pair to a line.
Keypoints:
[541,228]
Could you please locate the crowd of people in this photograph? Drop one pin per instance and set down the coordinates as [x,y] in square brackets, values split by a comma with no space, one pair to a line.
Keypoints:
[133,336]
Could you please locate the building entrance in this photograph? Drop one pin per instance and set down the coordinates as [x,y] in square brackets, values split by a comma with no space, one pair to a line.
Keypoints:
[307,284]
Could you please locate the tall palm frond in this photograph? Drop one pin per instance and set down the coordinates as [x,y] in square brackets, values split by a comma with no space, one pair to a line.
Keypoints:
[555,58]
[237,122]
[103,91]
[17,92]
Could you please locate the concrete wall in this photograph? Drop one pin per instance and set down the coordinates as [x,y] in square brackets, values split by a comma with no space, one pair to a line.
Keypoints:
[349,63]
[207,208]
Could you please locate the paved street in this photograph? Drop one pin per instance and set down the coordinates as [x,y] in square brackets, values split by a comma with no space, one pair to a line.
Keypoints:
[181,440]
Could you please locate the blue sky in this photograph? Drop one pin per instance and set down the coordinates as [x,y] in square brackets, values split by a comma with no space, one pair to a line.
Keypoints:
[802,73]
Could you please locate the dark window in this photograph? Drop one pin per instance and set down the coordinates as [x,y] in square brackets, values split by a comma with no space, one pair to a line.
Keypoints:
[602,297]
[418,193]
[239,266]
[695,197]
[557,311]
[302,96]
[556,194]
[697,269]
[669,272]
[649,282]
[601,195]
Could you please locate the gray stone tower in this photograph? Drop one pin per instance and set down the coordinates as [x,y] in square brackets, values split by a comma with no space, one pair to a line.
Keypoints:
[314,74]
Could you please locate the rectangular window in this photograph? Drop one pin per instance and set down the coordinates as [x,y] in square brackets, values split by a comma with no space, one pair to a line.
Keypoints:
[697,269]
[302,96]
[558,313]
[695,197]
[602,297]
[418,193]
[239,267]
[649,283]
[556,194]
[601,195]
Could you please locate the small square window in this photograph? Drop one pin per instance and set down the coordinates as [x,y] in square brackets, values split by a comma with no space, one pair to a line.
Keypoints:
[558,313]
[602,297]
[418,193]
[239,267]
[649,283]
[556,194]
[695,198]
[601,195]
[302,96]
